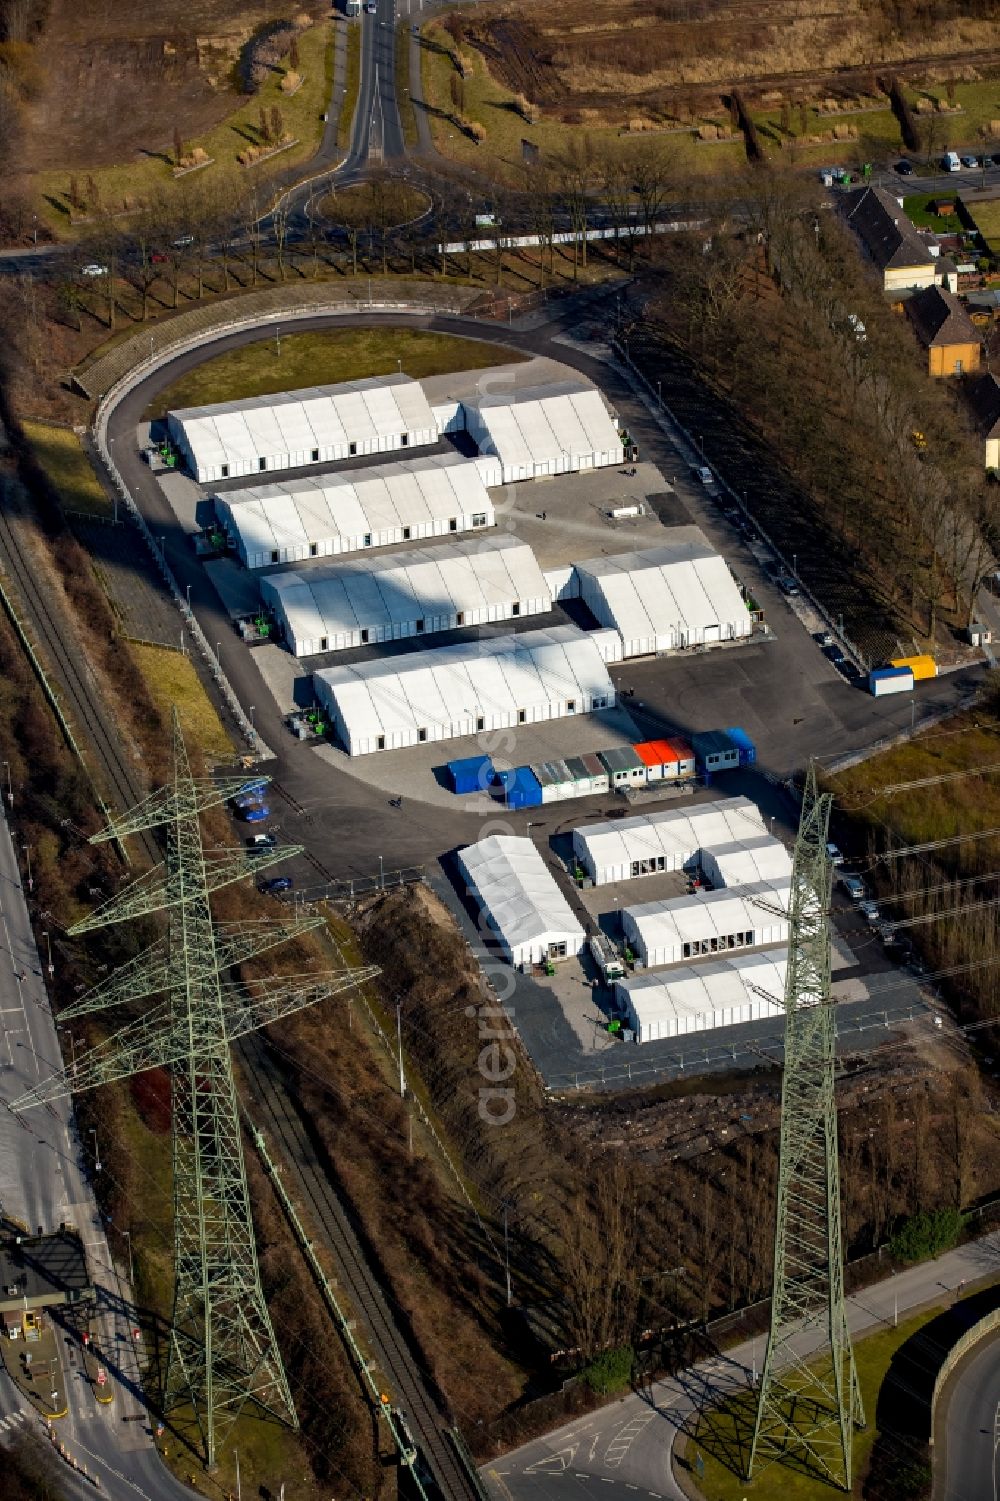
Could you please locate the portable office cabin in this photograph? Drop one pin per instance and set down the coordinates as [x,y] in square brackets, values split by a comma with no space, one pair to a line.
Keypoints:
[711,922]
[520,900]
[496,683]
[744,745]
[666,760]
[882,681]
[677,595]
[624,767]
[472,774]
[291,429]
[520,788]
[325,516]
[702,997]
[923,666]
[399,595]
[670,840]
[589,776]
[543,430]
[715,751]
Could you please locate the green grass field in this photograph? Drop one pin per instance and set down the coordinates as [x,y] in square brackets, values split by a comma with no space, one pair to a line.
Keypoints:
[352,77]
[151,176]
[325,358]
[173,683]
[722,1436]
[986,217]
[67,467]
[917,206]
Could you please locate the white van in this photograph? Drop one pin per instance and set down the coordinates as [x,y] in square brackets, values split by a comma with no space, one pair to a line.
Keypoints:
[951,162]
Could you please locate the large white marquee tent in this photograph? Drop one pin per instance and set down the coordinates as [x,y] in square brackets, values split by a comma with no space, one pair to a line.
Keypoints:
[539,430]
[681,594]
[436,495]
[288,429]
[698,998]
[669,840]
[520,900]
[711,922]
[746,862]
[404,594]
[494,683]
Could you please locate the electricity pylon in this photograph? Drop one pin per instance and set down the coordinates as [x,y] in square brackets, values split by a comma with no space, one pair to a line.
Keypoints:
[809,1401]
[223,1350]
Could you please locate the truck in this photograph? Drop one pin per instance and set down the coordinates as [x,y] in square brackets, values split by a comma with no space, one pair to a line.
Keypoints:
[352,7]
[605,956]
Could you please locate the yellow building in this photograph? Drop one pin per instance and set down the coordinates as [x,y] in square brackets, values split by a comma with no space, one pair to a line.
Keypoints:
[946,331]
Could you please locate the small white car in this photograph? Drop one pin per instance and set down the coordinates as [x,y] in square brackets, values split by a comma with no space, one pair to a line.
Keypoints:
[834,855]
[705,474]
[93,269]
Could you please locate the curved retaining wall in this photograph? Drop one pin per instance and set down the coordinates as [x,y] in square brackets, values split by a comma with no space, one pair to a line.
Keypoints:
[968,1341]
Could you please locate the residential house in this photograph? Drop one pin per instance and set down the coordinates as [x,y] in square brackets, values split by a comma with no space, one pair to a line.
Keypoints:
[945,330]
[899,253]
[984,398]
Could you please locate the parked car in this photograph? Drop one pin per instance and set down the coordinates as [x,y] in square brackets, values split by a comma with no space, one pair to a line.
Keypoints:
[970,161]
[703,473]
[252,800]
[834,654]
[833,854]
[93,269]
[853,886]
[869,911]
[262,841]
[371,7]
[183,242]
[277,884]
[848,670]
[996,160]
[787,584]
[256,814]
[904,168]
[825,638]
[950,162]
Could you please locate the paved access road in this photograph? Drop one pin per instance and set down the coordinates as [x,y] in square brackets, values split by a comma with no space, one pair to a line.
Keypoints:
[970,1464]
[629,1445]
[44,1171]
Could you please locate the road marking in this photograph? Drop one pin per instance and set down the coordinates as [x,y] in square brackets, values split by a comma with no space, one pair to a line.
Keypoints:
[554,1463]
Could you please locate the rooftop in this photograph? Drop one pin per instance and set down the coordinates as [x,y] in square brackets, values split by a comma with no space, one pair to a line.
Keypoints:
[885,230]
[52,1268]
[983,395]
[939,318]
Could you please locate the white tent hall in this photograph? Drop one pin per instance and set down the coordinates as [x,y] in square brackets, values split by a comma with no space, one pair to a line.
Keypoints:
[521,902]
[323,516]
[710,922]
[402,594]
[699,998]
[317,425]
[494,683]
[540,430]
[668,840]
[746,862]
[677,595]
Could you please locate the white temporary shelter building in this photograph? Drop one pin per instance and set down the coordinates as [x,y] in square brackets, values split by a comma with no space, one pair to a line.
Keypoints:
[318,425]
[402,594]
[698,998]
[490,684]
[520,900]
[746,862]
[677,595]
[710,922]
[668,840]
[547,429]
[324,516]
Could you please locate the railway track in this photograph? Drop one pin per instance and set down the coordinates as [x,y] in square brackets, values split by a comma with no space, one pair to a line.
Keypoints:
[77,692]
[362,1290]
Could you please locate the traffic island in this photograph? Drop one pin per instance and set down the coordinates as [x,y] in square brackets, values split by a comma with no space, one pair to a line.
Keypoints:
[96,1370]
[34,1365]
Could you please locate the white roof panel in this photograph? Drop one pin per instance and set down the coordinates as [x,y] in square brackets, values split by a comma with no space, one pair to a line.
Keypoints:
[684,583]
[518,891]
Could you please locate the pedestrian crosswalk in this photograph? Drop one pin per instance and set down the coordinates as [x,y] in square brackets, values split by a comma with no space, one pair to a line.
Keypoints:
[12,1421]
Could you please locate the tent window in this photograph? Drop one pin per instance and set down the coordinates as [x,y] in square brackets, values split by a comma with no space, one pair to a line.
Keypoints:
[261,463]
[404,440]
[515,608]
[352,449]
[324,643]
[421,735]
[364,637]
[480,723]
[460,618]
[406,533]
[224,471]
[479,519]
[635,867]
[366,540]
[687,951]
[420,627]
[315,455]
[380,743]
[313,549]
[571,706]
[274,556]
[522,715]
[453,524]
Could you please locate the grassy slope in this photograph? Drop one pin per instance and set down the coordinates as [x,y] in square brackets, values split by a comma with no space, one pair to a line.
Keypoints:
[727,1431]
[63,460]
[172,681]
[312,359]
[352,77]
[152,176]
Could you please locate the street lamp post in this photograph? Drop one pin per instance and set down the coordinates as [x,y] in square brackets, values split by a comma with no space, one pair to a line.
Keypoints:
[128,1239]
[10,789]
[381,881]
[189,596]
[48,945]
[506,1255]
[97,1152]
[27,857]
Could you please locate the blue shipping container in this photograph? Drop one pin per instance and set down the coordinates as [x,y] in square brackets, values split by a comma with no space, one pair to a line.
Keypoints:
[473,774]
[743,743]
[521,788]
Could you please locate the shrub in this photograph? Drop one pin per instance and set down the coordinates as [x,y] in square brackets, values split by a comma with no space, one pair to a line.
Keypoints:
[610,1372]
[925,1235]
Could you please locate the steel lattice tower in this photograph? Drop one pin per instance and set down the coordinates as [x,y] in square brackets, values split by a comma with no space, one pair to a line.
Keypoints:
[223,1349]
[809,1403]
